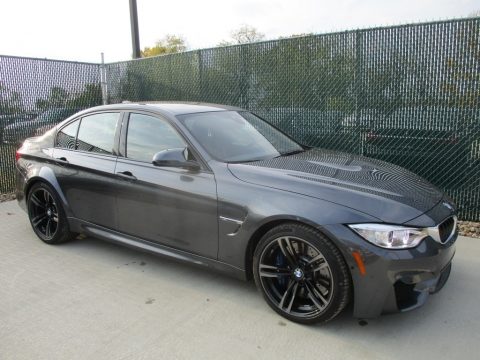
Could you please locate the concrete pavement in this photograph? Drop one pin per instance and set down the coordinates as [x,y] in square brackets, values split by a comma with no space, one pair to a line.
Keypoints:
[89,299]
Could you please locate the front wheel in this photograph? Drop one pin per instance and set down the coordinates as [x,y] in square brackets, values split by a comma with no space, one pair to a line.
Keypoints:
[301,274]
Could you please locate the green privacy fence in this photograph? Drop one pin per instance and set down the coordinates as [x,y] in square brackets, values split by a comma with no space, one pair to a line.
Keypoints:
[35,94]
[406,94]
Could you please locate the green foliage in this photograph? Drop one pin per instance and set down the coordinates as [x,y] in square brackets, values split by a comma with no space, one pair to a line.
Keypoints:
[170,44]
[90,96]
[245,34]
[58,97]
[10,101]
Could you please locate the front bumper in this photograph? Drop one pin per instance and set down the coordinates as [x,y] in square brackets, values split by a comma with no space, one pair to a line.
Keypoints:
[393,280]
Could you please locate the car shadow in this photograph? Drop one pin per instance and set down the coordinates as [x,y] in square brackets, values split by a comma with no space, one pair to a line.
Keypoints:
[433,317]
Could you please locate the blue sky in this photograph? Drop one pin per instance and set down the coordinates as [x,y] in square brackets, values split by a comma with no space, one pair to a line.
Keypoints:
[81,30]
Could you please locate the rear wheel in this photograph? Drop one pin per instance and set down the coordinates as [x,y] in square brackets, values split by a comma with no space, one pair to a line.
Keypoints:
[46,215]
[301,274]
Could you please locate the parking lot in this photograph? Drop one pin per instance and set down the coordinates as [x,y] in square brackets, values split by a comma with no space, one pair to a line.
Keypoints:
[89,299]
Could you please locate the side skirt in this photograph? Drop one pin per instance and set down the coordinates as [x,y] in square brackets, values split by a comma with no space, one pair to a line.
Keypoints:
[116,237]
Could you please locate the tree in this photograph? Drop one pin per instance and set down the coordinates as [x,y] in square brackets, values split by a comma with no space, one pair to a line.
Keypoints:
[10,101]
[90,96]
[170,44]
[243,35]
[57,98]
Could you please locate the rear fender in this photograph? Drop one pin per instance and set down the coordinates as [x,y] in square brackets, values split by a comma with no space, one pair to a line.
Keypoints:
[46,175]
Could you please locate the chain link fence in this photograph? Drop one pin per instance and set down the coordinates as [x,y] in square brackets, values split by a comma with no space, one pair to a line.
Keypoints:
[36,94]
[406,94]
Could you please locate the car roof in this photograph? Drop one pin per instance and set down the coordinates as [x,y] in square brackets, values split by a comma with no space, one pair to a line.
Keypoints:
[168,108]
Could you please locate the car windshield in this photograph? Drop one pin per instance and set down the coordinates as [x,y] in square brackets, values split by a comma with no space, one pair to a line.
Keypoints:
[238,136]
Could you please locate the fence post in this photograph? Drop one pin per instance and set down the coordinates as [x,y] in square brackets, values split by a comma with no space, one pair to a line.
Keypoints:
[358,88]
[244,76]
[201,90]
[103,81]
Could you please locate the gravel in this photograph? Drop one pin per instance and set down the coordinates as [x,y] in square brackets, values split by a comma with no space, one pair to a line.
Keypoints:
[467,228]
[7,197]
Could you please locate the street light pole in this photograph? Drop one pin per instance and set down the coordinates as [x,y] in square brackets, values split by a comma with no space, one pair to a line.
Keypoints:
[134,29]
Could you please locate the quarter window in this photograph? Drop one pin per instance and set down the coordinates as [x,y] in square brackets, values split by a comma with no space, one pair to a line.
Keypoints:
[66,136]
[97,133]
[148,135]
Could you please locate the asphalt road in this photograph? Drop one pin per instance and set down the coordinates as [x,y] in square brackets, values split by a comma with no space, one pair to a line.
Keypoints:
[93,300]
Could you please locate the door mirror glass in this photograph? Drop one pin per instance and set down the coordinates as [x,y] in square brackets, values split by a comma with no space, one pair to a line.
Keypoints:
[175,158]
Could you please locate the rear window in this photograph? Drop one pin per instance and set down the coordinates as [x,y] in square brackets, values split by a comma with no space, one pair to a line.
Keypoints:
[67,135]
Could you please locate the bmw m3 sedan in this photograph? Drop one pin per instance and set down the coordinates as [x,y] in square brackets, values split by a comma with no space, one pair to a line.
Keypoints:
[219,187]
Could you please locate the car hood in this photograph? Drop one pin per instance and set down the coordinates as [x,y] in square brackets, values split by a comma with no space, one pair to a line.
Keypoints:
[386,191]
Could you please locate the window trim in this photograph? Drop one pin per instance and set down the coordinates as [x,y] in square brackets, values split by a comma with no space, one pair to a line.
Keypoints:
[155,117]
[124,133]
[80,119]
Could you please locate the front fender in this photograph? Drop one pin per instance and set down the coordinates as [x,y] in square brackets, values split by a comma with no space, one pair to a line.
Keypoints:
[245,209]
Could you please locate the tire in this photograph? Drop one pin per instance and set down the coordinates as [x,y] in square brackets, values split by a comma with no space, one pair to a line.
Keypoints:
[301,274]
[46,214]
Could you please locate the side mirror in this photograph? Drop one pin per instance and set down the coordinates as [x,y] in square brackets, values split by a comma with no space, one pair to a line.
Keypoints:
[175,158]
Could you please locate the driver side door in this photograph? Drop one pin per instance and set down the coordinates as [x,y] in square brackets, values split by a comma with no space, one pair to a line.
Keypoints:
[166,205]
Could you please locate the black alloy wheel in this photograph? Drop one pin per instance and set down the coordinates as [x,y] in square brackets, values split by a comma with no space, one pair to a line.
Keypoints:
[301,274]
[46,215]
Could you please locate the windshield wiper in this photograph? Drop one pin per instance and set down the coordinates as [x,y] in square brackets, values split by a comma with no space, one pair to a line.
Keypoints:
[293,152]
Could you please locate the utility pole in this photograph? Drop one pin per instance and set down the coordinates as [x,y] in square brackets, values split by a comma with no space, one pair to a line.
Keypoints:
[134,29]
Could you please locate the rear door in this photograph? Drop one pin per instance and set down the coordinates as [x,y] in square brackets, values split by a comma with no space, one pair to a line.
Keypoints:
[85,155]
[170,206]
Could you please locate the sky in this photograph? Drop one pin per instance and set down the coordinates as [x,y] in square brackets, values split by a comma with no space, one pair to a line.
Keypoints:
[81,30]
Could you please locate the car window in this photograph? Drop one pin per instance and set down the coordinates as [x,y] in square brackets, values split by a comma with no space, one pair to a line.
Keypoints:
[97,133]
[147,135]
[66,136]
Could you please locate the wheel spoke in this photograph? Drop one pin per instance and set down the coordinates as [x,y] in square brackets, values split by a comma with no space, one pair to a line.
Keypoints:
[292,287]
[287,249]
[47,228]
[273,271]
[46,196]
[301,246]
[294,293]
[319,267]
[315,296]
[37,201]
[325,282]
[316,258]
[39,219]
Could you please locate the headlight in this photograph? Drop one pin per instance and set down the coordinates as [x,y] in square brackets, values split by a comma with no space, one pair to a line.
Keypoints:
[390,236]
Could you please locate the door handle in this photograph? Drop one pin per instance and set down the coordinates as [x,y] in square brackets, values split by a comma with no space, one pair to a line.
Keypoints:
[127,175]
[62,159]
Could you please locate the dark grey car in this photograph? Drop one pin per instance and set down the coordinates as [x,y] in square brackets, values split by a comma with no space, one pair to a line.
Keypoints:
[221,188]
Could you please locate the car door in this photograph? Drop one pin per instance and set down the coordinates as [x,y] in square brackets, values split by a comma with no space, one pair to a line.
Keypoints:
[85,155]
[170,206]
